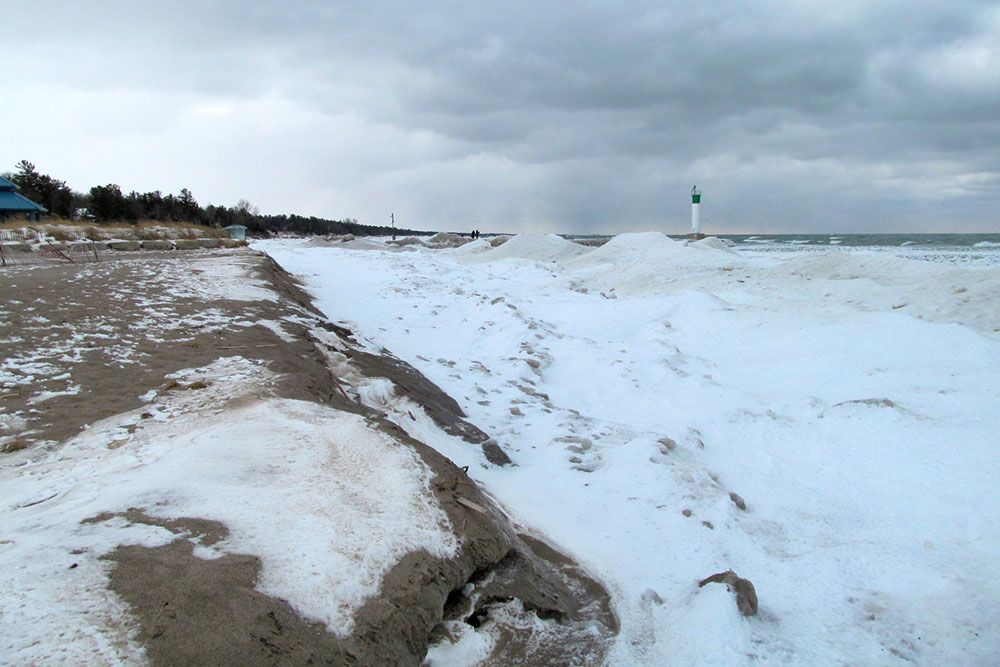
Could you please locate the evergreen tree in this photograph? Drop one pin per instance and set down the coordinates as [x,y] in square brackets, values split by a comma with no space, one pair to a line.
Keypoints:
[108,203]
[187,205]
[51,193]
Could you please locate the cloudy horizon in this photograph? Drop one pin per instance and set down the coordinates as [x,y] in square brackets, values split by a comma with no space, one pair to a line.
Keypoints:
[583,118]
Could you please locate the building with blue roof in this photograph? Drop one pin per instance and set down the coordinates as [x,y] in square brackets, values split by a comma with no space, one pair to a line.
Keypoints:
[14,203]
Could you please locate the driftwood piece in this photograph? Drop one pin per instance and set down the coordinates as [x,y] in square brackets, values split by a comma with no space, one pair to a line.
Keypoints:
[471,505]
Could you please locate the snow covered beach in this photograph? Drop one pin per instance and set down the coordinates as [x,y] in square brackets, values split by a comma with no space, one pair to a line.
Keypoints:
[824,424]
[189,475]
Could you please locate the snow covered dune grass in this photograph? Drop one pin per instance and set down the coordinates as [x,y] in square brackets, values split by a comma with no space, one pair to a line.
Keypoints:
[679,410]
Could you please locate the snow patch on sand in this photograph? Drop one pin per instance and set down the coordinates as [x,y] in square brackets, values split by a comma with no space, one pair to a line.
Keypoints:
[328,504]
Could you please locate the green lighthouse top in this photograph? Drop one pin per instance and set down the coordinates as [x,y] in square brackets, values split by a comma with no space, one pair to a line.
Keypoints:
[695,195]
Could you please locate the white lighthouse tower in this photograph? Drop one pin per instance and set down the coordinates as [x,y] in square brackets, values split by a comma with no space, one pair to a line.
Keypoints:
[695,212]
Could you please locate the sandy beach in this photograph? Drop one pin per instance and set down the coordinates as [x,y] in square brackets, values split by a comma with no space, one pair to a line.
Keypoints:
[193,471]
[647,334]
[510,451]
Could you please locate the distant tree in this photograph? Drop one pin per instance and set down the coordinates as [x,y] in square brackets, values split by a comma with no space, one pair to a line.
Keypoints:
[149,205]
[244,212]
[51,193]
[187,206]
[244,207]
[218,216]
[107,202]
[80,200]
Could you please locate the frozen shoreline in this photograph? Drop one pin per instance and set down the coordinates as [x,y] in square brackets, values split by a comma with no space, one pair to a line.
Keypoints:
[849,399]
[971,250]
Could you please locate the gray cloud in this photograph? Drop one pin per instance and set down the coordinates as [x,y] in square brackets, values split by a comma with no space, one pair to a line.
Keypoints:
[549,117]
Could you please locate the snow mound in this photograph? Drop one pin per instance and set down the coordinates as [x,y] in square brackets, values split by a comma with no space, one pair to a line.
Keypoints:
[364,243]
[535,248]
[714,243]
[406,240]
[656,248]
[476,247]
[639,245]
[446,240]
[841,265]
[328,240]
[875,281]
[648,262]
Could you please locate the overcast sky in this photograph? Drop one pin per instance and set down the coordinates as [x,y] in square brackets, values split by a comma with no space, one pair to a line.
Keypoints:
[814,116]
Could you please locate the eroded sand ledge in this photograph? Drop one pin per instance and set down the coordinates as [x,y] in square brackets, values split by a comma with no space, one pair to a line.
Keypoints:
[182,607]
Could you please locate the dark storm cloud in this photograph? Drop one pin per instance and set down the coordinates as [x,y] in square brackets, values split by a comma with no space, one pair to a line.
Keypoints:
[571,117]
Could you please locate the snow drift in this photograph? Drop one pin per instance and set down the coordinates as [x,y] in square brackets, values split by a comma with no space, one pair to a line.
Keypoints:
[542,248]
[847,401]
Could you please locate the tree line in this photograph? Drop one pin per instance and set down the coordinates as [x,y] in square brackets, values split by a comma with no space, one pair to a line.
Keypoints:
[108,203]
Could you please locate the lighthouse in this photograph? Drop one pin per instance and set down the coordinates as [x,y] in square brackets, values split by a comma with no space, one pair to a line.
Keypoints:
[695,206]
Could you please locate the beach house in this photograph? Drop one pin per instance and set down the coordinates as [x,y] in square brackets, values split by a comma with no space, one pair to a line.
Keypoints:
[13,203]
[238,232]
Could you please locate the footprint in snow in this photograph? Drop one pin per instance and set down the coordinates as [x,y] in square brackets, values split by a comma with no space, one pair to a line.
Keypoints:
[583,456]
[480,367]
